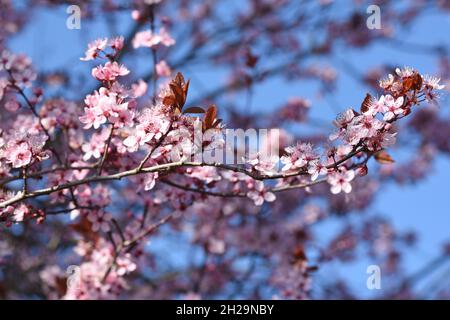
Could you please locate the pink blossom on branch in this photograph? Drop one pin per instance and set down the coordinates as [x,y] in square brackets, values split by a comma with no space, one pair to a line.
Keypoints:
[124,166]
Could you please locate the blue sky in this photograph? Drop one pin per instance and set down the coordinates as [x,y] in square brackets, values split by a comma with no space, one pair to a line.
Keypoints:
[422,207]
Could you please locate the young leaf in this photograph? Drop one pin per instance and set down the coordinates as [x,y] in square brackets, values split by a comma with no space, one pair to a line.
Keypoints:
[383,157]
[194,110]
[365,105]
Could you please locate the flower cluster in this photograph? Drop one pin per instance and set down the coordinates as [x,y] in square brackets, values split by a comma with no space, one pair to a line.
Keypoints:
[101,276]
[298,156]
[153,123]
[107,106]
[112,103]
[19,69]
[22,149]
[151,39]
[109,48]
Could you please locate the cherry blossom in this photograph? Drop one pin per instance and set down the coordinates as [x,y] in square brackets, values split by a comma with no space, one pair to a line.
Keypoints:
[316,168]
[393,107]
[100,220]
[298,156]
[94,48]
[340,181]
[109,72]
[260,194]
[163,69]
[149,39]
[116,168]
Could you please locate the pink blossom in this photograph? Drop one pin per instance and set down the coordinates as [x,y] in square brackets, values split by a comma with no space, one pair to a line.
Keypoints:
[430,87]
[263,163]
[18,155]
[125,265]
[298,156]
[260,194]
[91,119]
[103,106]
[150,181]
[6,60]
[122,116]
[149,39]
[316,168]
[91,150]
[100,220]
[382,140]
[19,213]
[341,122]
[163,69]
[378,106]
[139,89]
[340,180]
[94,48]
[404,72]
[109,72]
[152,124]
[116,43]
[393,107]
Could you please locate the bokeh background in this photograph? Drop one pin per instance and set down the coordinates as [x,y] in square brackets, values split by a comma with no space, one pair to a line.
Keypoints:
[422,207]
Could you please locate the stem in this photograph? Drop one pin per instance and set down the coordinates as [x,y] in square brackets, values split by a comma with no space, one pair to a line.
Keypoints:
[105,152]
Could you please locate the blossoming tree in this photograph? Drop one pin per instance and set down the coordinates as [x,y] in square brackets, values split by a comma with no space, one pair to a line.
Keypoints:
[86,183]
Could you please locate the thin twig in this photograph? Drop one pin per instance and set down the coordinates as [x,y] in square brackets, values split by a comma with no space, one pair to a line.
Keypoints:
[105,152]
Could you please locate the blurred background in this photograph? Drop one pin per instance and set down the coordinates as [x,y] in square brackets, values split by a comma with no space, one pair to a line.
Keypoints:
[314,53]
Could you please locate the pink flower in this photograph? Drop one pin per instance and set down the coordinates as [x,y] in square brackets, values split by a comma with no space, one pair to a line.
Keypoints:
[123,116]
[163,69]
[116,43]
[259,194]
[316,168]
[125,265]
[19,155]
[393,107]
[100,220]
[341,122]
[362,127]
[430,86]
[298,156]
[139,89]
[375,107]
[152,124]
[149,39]
[384,139]
[264,164]
[405,72]
[109,72]
[91,150]
[6,60]
[150,181]
[94,48]
[90,119]
[340,180]
[106,105]
[20,213]
[132,143]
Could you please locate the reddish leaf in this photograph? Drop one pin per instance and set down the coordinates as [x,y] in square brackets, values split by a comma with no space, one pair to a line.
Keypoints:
[194,110]
[383,157]
[210,120]
[179,89]
[365,105]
